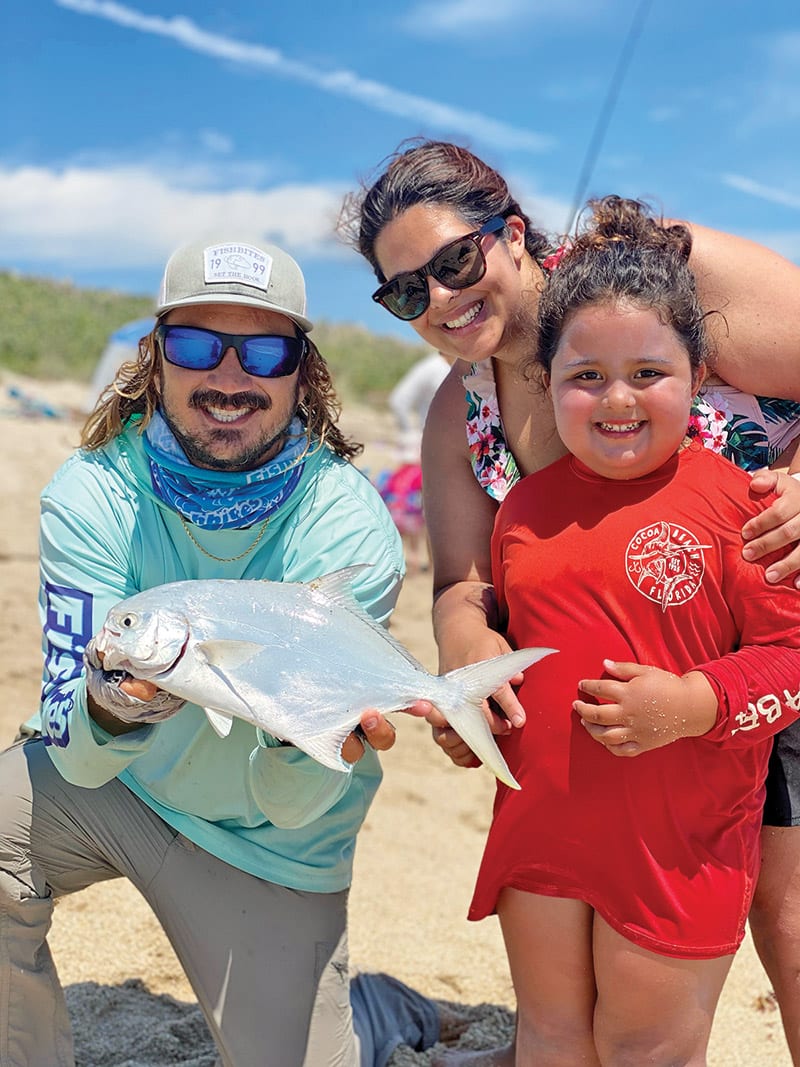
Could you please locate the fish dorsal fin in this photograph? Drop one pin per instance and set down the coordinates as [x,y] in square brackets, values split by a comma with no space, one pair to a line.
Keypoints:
[338,585]
[396,645]
[221,722]
[338,588]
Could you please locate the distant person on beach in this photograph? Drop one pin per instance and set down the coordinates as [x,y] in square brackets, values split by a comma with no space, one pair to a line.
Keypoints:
[457,258]
[218,455]
[401,492]
[411,397]
[401,488]
[623,885]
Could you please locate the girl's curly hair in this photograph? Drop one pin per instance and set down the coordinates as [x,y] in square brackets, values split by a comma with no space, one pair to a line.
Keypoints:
[622,252]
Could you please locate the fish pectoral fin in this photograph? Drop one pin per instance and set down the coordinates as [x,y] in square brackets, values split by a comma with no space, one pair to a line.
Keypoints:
[222,657]
[221,722]
[227,655]
[327,749]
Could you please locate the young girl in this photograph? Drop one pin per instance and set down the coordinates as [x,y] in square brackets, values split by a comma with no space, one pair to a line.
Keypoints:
[623,885]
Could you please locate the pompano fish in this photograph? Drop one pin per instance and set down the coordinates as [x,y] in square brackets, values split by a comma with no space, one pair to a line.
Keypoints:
[302,661]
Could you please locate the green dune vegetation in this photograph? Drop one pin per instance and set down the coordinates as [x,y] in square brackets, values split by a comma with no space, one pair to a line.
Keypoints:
[55,330]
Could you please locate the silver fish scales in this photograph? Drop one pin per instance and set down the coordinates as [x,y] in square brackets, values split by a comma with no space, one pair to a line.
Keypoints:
[302,661]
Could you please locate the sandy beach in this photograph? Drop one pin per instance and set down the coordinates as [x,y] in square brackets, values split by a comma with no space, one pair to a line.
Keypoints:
[415,862]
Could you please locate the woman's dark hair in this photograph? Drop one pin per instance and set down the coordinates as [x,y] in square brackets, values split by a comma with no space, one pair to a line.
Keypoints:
[135,392]
[434,173]
[624,253]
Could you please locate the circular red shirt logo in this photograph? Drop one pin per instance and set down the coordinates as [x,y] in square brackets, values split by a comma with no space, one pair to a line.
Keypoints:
[665,563]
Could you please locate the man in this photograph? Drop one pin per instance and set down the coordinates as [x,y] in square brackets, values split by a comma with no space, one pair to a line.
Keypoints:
[217,455]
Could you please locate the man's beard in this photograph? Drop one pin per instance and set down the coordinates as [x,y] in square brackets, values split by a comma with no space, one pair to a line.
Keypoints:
[249,458]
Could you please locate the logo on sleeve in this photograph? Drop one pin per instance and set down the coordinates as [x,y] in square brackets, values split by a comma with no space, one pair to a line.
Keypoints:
[665,563]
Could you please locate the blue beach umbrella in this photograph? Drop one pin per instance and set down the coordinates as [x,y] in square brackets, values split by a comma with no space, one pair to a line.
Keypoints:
[122,346]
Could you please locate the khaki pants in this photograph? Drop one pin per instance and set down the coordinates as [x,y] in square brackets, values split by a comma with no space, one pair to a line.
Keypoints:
[268,964]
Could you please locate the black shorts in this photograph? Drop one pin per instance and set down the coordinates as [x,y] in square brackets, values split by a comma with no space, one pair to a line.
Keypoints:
[782,806]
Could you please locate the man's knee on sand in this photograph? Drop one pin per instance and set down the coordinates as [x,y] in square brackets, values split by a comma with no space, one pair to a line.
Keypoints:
[19,878]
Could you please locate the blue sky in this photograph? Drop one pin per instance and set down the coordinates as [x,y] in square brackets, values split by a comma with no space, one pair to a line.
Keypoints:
[127,128]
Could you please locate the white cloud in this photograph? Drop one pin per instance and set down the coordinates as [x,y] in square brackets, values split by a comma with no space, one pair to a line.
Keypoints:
[785,48]
[218,143]
[763,192]
[430,17]
[547,213]
[665,113]
[462,15]
[130,217]
[339,82]
[776,89]
[784,242]
[192,161]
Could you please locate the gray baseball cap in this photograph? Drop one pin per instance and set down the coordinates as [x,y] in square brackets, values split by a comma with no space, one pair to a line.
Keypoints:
[247,271]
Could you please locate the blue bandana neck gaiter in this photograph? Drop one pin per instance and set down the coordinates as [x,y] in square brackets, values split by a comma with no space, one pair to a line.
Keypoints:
[222,500]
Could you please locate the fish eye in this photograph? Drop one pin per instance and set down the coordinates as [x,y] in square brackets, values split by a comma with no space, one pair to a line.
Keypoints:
[130,620]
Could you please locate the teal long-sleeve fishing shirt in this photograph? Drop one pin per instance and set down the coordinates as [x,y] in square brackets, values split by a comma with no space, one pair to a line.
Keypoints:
[267,809]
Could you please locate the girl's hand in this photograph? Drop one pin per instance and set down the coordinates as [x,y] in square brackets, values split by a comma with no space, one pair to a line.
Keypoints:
[777,527]
[453,746]
[503,713]
[643,708]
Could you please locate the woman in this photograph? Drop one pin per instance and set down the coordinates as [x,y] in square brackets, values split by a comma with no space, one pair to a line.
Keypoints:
[469,287]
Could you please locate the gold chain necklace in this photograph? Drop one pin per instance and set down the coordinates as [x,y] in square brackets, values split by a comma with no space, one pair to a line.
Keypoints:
[223,559]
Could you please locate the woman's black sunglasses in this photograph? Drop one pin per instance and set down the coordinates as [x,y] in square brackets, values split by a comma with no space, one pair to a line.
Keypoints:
[264,355]
[458,265]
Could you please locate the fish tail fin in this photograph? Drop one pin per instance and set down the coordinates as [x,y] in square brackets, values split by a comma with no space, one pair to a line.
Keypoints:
[464,712]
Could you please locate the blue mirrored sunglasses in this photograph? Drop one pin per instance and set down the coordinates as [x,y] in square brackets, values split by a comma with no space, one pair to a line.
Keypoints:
[458,265]
[263,355]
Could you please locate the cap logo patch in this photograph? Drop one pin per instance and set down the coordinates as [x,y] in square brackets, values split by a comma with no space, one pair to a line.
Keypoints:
[245,264]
